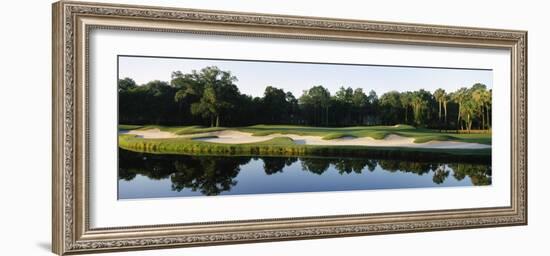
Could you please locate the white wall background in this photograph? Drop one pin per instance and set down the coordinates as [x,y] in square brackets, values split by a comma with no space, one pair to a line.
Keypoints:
[25,114]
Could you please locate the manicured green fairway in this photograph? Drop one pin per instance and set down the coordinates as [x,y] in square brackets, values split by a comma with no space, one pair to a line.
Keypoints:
[328,133]
[286,146]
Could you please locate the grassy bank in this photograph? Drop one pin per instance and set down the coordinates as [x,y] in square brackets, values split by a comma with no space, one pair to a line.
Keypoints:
[377,132]
[284,146]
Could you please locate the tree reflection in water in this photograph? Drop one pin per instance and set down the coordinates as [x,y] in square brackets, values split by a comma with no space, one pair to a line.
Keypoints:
[274,165]
[208,175]
[212,175]
[440,174]
[479,174]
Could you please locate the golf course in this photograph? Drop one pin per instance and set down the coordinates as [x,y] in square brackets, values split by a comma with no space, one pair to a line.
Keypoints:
[204,112]
[404,140]
[190,127]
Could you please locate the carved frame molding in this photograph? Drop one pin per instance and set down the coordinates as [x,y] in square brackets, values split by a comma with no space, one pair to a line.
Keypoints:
[72,22]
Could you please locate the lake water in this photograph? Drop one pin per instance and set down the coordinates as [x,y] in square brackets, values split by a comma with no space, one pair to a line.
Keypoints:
[157,176]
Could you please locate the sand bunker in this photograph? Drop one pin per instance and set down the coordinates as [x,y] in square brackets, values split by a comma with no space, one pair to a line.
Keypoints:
[151,134]
[236,137]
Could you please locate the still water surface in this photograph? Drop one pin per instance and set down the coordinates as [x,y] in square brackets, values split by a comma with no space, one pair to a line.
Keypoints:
[157,176]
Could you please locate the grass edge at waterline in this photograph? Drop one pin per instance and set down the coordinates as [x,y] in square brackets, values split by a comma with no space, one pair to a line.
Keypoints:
[420,135]
[285,146]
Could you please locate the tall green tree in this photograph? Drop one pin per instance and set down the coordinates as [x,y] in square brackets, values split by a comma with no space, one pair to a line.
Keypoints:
[275,104]
[360,101]
[406,102]
[459,97]
[445,104]
[345,95]
[489,102]
[344,103]
[441,97]
[318,97]
[373,104]
[482,99]
[467,111]
[391,106]
[293,109]
[419,106]
[126,84]
[219,94]
[421,101]
[189,90]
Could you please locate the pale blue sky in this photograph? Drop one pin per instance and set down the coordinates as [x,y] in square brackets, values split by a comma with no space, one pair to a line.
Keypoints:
[254,76]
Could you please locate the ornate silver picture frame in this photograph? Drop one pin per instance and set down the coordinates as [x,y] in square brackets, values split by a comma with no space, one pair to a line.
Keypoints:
[72,25]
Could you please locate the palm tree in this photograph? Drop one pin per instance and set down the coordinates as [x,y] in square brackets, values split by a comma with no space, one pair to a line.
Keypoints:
[446,99]
[440,96]
[468,110]
[479,98]
[419,105]
[406,101]
[458,97]
[489,101]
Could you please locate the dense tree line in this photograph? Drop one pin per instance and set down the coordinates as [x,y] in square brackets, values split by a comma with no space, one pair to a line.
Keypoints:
[211,97]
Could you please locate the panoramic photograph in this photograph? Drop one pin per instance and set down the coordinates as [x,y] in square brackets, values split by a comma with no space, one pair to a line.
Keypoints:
[216,127]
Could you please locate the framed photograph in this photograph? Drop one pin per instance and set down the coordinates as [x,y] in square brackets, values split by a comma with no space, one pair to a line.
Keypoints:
[179,127]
